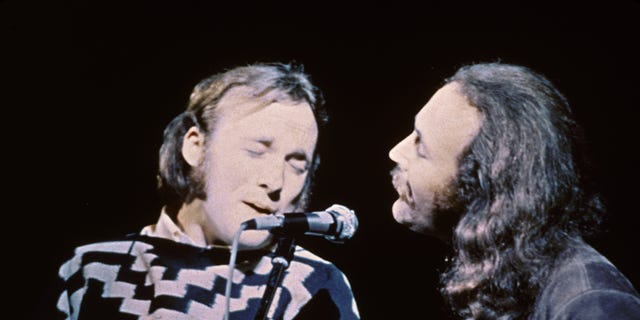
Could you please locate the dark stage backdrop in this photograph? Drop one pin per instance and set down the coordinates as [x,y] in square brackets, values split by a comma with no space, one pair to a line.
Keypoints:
[94,84]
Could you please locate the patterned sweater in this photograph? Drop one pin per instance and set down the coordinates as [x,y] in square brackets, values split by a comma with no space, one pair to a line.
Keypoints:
[141,277]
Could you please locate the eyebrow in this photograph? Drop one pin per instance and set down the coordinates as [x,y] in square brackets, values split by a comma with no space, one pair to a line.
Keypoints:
[422,142]
[415,128]
[267,142]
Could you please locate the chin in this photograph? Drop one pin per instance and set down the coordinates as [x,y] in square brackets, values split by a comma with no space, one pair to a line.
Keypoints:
[254,239]
[410,218]
[401,212]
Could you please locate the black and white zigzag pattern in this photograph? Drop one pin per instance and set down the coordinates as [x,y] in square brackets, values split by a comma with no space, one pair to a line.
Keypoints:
[153,278]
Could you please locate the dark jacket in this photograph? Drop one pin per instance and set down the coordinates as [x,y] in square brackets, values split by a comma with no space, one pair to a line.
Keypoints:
[585,285]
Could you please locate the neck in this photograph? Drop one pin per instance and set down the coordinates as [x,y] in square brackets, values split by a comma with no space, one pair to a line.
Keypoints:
[191,220]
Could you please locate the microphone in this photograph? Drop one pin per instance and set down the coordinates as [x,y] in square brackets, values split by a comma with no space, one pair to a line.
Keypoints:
[337,223]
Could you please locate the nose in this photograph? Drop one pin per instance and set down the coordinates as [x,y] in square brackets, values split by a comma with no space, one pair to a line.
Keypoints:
[397,152]
[272,180]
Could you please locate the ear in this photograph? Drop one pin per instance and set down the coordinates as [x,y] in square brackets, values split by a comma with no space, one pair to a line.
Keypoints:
[193,147]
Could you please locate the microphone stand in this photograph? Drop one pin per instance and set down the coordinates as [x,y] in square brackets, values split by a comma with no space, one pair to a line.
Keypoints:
[280,261]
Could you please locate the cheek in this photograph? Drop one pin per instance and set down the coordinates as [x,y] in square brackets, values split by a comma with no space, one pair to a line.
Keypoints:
[438,174]
[420,180]
[426,184]
[293,185]
[225,175]
[422,193]
[291,198]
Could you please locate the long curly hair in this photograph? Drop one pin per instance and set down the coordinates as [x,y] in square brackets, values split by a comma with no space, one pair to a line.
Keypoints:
[526,197]
[263,84]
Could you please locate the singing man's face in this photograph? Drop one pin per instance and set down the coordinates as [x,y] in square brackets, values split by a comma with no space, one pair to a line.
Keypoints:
[256,163]
[427,161]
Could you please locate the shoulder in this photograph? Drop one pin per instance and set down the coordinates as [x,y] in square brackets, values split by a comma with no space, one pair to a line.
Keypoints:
[330,295]
[105,254]
[304,258]
[601,304]
[587,270]
[586,283]
[315,272]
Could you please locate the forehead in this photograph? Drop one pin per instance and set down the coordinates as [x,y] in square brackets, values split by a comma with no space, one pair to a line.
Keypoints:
[448,119]
[289,122]
[243,100]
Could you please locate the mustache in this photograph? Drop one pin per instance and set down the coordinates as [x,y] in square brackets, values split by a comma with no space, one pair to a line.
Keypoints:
[401,184]
[396,176]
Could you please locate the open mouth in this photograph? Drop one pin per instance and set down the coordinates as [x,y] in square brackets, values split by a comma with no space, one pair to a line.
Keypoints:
[406,196]
[401,186]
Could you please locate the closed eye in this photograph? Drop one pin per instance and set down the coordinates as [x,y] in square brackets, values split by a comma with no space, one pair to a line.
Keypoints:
[254,152]
[298,161]
[257,148]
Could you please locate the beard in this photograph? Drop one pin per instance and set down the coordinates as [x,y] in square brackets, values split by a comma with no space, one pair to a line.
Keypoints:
[437,213]
[447,211]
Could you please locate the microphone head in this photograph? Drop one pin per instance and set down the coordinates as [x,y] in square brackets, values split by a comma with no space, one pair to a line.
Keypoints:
[346,223]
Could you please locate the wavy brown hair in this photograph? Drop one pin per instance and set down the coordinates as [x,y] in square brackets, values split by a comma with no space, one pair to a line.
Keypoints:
[523,185]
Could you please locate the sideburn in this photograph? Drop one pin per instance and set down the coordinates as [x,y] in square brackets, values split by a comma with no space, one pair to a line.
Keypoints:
[448,210]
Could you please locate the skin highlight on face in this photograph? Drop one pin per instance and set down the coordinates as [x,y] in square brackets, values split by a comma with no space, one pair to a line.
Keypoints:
[427,161]
[256,162]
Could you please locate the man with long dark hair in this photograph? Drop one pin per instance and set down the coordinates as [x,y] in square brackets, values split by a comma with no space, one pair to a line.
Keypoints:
[244,148]
[495,167]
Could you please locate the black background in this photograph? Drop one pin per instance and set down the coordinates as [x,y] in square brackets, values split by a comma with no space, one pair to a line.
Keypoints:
[90,88]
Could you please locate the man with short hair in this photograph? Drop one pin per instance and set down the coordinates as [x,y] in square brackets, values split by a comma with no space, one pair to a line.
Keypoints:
[244,148]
